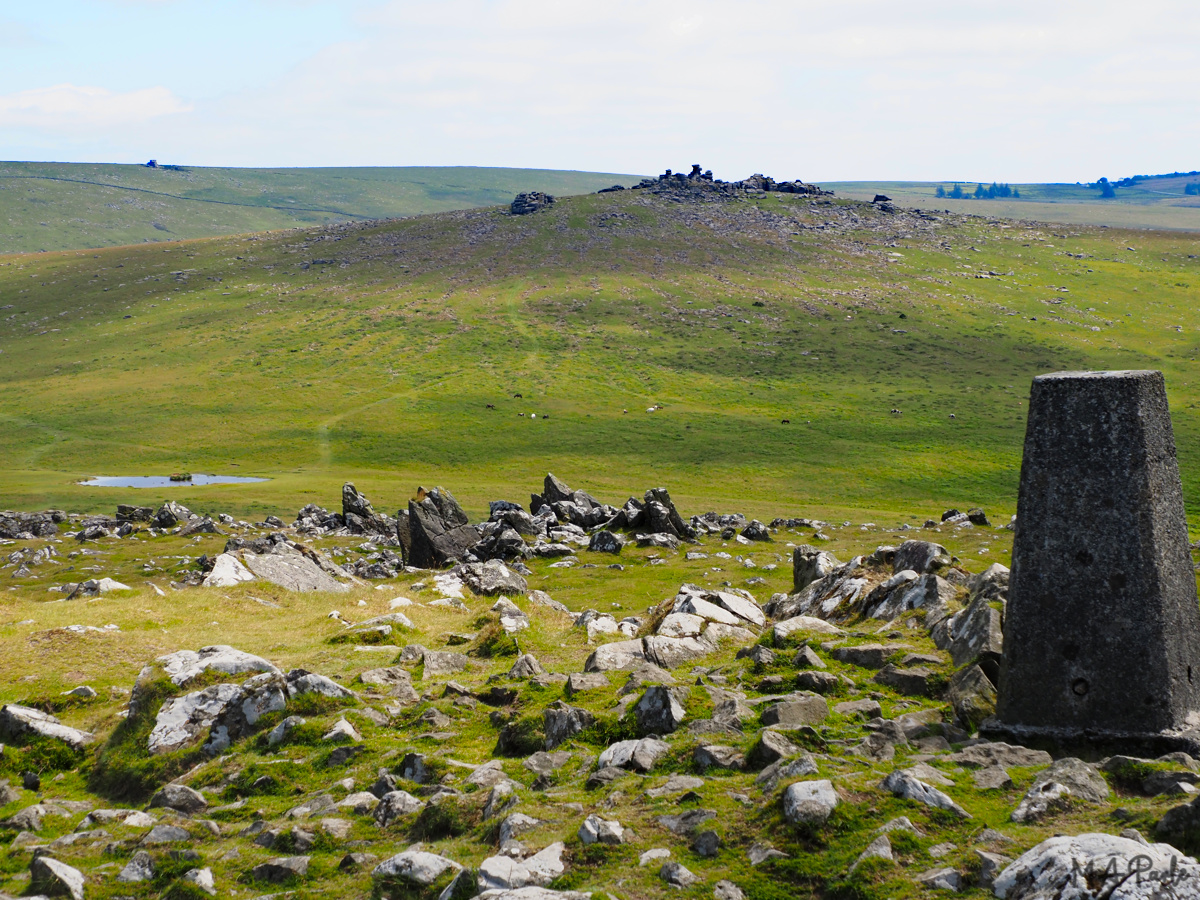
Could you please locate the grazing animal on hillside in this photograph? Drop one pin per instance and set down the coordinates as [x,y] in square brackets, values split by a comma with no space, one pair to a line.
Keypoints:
[785,421]
[491,406]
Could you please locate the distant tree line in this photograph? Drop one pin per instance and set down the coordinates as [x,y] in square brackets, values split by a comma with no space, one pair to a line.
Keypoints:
[981,192]
[1134,179]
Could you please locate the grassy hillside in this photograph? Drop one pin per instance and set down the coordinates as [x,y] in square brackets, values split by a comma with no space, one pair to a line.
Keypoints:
[1157,203]
[59,206]
[371,353]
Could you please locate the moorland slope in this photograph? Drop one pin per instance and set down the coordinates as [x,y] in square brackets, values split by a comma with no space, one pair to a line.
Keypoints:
[898,344]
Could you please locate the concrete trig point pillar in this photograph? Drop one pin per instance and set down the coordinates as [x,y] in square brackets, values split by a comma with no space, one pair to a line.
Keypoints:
[1102,627]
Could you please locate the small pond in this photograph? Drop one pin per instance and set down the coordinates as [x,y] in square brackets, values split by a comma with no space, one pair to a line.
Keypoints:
[162,481]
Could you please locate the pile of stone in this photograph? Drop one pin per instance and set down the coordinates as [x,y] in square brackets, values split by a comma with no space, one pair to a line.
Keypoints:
[21,526]
[530,202]
[702,181]
[357,517]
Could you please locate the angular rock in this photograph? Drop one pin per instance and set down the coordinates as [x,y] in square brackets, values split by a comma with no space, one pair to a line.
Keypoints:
[181,798]
[880,848]
[920,557]
[909,788]
[809,801]
[998,753]
[676,875]
[227,571]
[439,530]
[659,711]
[640,755]
[281,869]
[972,695]
[770,747]
[686,822]
[563,721]
[292,571]
[139,868]
[396,805]
[794,713]
[491,577]
[596,830]
[19,721]
[716,756]
[183,666]
[50,876]
[810,564]
[416,868]
[1068,866]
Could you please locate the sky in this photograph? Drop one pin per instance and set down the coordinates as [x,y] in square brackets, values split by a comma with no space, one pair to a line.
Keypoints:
[972,90]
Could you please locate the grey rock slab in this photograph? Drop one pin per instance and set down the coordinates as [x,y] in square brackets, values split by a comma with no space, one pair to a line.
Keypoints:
[597,830]
[905,786]
[416,867]
[797,712]
[639,755]
[280,732]
[770,747]
[1082,778]
[586,681]
[990,866]
[395,805]
[1057,867]
[616,656]
[784,630]
[300,682]
[998,753]
[717,756]
[491,578]
[179,797]
[526,666]
[920,557]
[810,564]
[203,879]
[506,873]
[868,656]
[444,662]
[166,834]
[687,822]
[992,778]
[659,711]
[676,875]
[543,763]
[1101,551]
[676,784]
[760,853]
[867,709]
[281,869]
[562,722]
[139,868]
[18,721]
[183,666]
[809,801]
[54,877]
[972,695]
[880,848]
[941,879]
[770,777]
[292,571]
[727,890]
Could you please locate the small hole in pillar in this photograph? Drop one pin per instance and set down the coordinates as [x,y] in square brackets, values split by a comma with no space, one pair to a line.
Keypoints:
[1116,581]
[1070,651]
[1079,687]
[1083,558]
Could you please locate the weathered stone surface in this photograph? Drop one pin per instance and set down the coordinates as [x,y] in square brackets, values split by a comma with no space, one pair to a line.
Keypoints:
[416,867]
[1067,777]
[183,720]
[972,695]
[770,747]
[811,710]
[281,869]
[809,564]
[506,873]
[18,721]
[1101,551]
[139,868]
[596,830]
[563,721]
[444,662]
[227,571]
[638,755]
[439,530]
[1059,867]
[920,557]
[909,788]
[686,822]
[659,711]
[179,797]
[293,571]
[54,877]
[183,666]
[998,753]
[491,577]
[677,875]
[809,801]
[880,848]
[717,756]
[869,656]
[396,805]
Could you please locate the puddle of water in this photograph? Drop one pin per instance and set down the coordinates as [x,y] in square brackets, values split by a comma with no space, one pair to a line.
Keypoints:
[161,481]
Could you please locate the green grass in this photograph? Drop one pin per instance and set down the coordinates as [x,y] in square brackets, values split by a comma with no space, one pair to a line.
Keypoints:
[247,356]
[60,206]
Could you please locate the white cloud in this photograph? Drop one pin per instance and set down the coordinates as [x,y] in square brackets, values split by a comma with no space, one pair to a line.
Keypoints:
[69,107]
